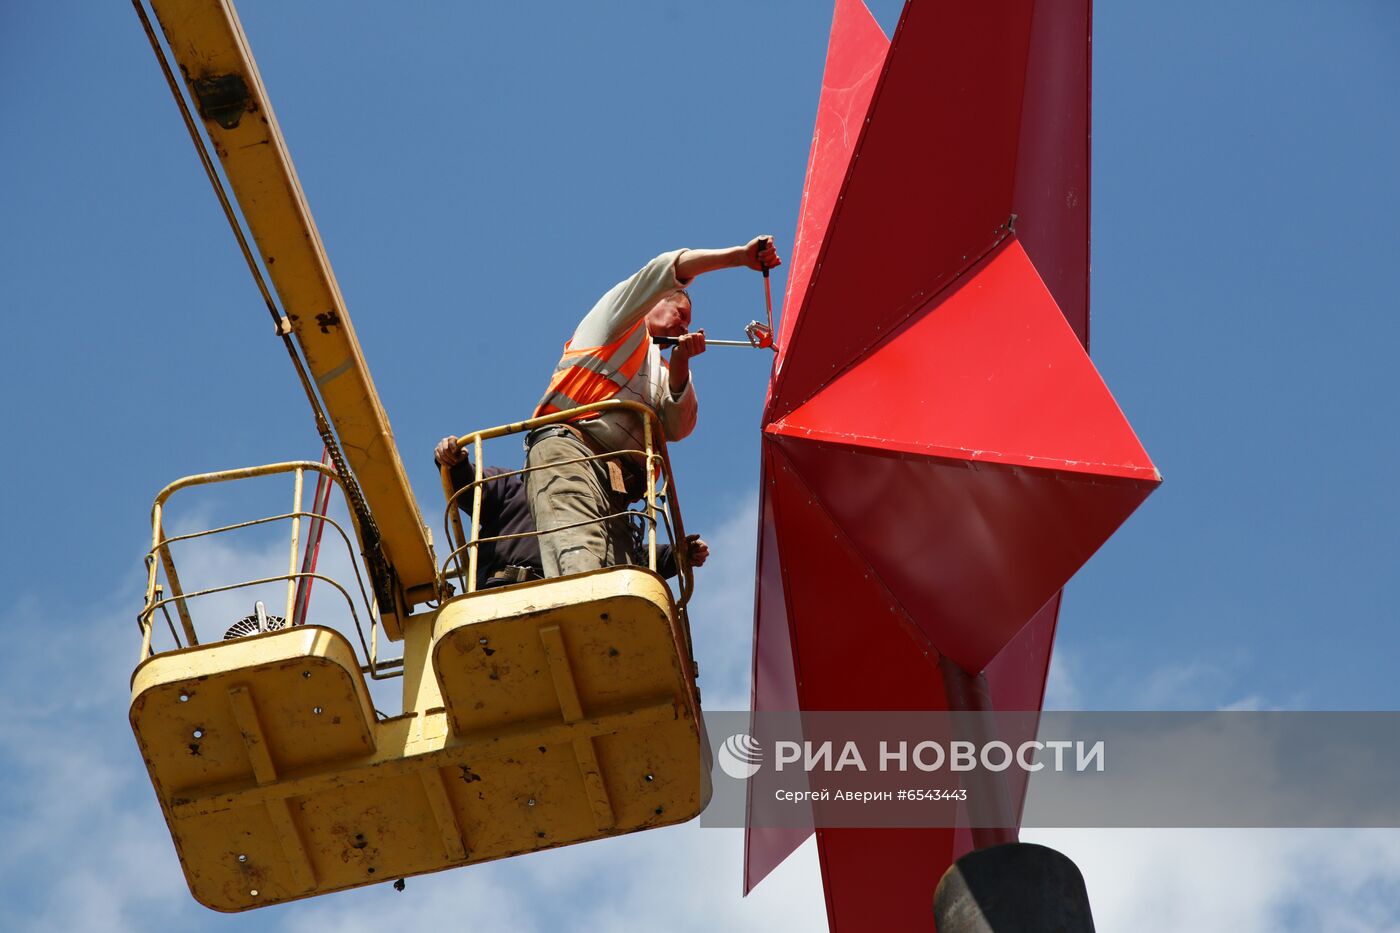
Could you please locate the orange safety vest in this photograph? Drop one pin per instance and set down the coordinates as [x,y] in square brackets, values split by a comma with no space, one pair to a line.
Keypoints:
[590,375]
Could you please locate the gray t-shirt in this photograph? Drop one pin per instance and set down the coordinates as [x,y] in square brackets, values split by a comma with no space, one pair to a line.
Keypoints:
[612,316]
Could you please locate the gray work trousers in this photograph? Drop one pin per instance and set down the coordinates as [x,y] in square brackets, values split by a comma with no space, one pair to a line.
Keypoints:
[565,493]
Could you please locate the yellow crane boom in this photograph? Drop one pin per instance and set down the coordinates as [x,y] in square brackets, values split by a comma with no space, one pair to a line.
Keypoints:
[213,55]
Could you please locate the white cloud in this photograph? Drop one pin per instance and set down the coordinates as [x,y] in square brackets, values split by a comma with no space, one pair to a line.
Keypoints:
[721,614]
[679,879]
[1182,684]
[1189,684]
[1061,683]
[1241,881]
[85,846]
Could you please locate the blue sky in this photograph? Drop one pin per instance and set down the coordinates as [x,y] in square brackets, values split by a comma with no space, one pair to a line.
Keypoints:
[479,173]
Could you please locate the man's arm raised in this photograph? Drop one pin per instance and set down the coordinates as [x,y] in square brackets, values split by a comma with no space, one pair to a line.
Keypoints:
[758,254]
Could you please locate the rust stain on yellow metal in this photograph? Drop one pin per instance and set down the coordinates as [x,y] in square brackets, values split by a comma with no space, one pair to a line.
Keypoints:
[212,51]
[546,714]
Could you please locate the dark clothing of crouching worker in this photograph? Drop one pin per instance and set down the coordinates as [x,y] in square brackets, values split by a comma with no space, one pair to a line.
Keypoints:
[505,510]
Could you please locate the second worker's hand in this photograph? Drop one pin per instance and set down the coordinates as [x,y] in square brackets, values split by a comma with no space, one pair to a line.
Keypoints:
[697,549]
[449,452]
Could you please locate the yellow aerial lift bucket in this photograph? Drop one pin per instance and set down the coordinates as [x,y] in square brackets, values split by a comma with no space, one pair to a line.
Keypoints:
[535,715]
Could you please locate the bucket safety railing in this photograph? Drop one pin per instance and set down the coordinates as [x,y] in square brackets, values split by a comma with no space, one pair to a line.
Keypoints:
[657,508]
[160,596]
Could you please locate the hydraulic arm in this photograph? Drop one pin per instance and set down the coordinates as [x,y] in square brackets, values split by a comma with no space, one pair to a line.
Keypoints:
[213,56]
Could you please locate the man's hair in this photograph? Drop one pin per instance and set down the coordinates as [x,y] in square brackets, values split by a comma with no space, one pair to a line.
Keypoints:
[679,293]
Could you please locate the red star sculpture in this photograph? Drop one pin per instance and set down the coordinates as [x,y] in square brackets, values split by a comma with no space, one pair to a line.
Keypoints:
[939,454]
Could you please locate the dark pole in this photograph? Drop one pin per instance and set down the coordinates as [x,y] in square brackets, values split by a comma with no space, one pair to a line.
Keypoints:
[1002,886]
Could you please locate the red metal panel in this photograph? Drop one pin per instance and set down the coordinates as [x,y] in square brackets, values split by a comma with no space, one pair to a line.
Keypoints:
[853,646]
[882,880]
[969,552]
[774,676]
[862,654]
[1052,168]
[1017,675]
[929,188]
[984,417]
[1016,679]
[854,56]
[991,373]
[940,455]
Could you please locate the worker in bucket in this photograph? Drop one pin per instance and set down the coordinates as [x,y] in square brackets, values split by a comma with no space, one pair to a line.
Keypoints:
[612,355]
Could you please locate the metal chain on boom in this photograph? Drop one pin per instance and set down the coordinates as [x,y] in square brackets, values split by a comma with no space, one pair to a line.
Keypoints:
[380,573]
